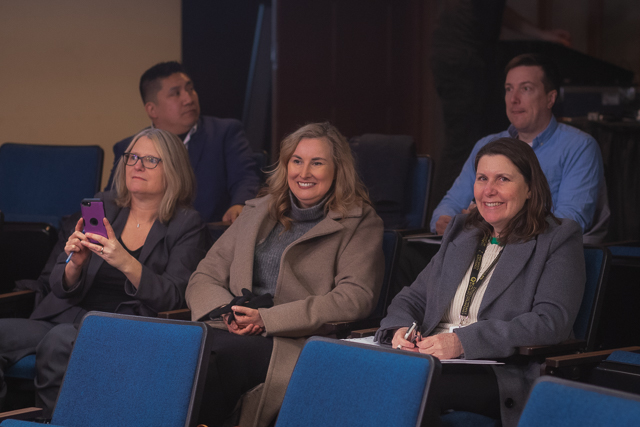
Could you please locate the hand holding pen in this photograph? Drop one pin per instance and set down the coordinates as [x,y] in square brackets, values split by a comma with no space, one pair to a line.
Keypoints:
[406,337]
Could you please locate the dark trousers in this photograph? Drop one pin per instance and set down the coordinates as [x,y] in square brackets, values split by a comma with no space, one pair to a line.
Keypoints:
[470,388]
[237,364]
[52,345]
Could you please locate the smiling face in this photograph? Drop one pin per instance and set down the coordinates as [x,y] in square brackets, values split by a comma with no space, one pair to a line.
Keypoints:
[310,171]
[176,107]
[528,105]
[500,191]
[141,181]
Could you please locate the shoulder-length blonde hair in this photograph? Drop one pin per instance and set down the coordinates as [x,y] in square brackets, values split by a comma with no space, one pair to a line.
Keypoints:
[531,220]
[347,188]
[179,180]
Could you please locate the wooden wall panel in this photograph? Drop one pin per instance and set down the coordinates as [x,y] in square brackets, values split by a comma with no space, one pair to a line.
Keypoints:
[360,64]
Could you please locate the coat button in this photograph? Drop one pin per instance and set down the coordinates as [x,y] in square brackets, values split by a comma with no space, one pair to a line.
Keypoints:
[509,403]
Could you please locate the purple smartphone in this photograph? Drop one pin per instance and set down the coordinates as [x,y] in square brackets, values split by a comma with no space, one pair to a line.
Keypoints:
[93,213]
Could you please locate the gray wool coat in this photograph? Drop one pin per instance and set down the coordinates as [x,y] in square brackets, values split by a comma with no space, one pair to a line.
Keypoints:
[532,298]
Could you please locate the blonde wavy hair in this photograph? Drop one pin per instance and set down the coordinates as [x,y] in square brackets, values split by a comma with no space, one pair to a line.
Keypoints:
[179,180]
[347,189]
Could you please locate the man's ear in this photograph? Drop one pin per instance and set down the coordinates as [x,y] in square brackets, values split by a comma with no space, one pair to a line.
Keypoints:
[551,98]
[150,108]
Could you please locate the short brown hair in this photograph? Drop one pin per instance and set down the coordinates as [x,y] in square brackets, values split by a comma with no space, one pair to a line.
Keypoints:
[180,182]
[550,74]
[532,218]
[347,189]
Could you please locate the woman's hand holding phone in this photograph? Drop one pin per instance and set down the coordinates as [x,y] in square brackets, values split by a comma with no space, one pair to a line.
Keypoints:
[108,248]
[78,252]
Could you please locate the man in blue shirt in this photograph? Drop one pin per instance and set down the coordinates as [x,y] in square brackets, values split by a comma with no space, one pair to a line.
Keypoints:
[570,159]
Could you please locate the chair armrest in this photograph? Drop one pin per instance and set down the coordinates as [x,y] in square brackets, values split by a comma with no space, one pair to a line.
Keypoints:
[623,243]
[181,314]
[17,304]
[363,333]
[568,346]
[583,358]
[21,414]
[344,329]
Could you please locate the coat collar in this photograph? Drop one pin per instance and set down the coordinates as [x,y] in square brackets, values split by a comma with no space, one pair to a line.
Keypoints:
[257,226]
[460,253]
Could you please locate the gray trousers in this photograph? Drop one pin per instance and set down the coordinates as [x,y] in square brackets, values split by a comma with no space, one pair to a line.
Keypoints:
[51,343]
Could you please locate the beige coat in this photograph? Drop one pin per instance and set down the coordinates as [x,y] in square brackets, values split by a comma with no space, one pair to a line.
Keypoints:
[332,273]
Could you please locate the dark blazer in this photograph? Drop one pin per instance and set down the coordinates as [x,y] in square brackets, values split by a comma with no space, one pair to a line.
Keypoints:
[170,254]
[226,173]
[532,298]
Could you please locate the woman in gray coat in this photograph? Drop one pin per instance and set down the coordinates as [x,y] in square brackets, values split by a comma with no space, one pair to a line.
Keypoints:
[508,274]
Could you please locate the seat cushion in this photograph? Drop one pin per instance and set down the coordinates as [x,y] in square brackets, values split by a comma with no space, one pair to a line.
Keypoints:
[24,368]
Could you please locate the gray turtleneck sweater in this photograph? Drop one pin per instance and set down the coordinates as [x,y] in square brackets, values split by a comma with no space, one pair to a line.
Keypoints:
[268,253]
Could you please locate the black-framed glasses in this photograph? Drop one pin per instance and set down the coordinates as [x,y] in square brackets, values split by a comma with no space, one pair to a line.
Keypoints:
[149,162]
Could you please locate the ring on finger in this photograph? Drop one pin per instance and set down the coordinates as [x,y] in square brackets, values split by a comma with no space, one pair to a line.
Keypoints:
[102,251]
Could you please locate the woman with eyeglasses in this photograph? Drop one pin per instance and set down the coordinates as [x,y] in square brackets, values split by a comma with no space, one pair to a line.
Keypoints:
[154,242]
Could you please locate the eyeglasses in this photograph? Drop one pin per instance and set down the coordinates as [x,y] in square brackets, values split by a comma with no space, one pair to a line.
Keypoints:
[149,162]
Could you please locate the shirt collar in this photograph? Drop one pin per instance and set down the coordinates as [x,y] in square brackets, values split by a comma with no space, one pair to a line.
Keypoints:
[188,137]
[542,137]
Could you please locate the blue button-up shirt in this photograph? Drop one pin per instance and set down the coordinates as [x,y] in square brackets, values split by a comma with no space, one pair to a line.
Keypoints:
[571,161]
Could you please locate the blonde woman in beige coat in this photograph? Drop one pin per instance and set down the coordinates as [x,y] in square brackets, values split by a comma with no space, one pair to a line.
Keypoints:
[314,243]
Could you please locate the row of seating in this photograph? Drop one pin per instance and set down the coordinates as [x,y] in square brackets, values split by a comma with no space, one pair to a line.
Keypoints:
[41,184]
[597,259]
[152,373]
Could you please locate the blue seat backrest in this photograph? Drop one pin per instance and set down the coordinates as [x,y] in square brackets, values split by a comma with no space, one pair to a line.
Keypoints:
[24,368]
[127,371]
[625,251]
[341,383]
[390,241]
[628,357]
[262,161]
[596,261]
[43,183]
[556,402]
[420,187]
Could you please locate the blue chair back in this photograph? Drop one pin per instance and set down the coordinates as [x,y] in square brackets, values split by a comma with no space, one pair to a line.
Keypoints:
[398,181]
[597,260]
[420,187]
[43,183]
[390,247]
[562,403]
[625,251]
[343,383]
[130,370]
[262,161]
[627,357]
[24,368]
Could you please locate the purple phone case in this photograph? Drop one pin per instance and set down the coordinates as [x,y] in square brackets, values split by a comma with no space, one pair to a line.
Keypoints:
[93,213]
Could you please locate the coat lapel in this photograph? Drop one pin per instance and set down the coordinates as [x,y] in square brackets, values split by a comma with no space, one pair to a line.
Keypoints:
[512,262]
[460,253]
[196,145]
[156,235]
[254,232]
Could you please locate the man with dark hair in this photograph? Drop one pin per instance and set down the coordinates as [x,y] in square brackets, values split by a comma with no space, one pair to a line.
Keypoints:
[218,148]
[571,159]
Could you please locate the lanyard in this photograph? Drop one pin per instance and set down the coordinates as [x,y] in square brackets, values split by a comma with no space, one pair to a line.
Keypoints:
[474,281]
